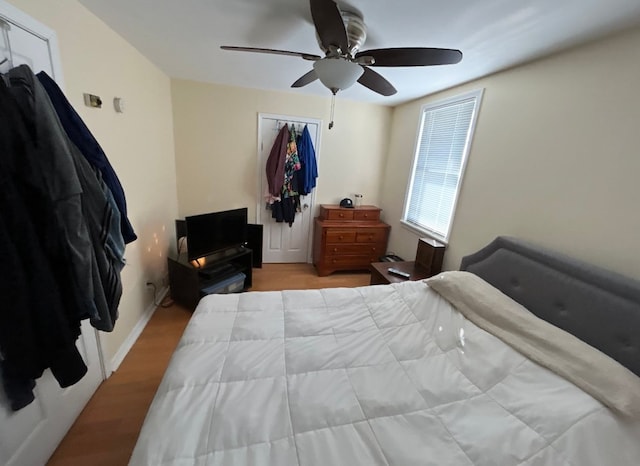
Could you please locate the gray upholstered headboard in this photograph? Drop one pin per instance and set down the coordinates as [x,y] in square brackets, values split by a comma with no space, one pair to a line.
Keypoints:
[601,308]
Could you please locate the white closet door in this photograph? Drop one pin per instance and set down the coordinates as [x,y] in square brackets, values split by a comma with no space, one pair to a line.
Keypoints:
[283,243]
[31,435]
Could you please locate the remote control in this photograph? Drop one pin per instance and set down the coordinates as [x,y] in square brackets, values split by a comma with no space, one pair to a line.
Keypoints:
[399,273]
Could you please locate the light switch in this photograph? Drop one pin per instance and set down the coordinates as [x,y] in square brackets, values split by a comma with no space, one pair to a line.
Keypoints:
[118,104]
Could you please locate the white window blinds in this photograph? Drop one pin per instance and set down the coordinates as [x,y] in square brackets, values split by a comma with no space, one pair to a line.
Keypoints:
[444,138]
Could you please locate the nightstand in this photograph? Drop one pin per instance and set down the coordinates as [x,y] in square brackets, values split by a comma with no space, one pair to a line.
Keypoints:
[429,257]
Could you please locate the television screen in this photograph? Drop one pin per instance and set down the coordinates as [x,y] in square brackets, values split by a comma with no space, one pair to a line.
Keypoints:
[209,233]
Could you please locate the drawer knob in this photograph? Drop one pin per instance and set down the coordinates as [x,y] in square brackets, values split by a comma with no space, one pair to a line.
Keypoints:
[341,214]
[340,237]
[366,215]
[335,249]
[373,249]
[370,236]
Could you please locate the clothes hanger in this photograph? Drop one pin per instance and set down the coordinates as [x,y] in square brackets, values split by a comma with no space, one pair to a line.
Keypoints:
[6,27]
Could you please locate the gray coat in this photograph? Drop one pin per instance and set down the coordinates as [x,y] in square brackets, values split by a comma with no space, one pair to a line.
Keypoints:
[87,218]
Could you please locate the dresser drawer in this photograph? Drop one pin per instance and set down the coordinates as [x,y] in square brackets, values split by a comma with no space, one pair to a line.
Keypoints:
[341,236]
[366,215]
[339,214]
[368,249]
[371,235]
[355,261]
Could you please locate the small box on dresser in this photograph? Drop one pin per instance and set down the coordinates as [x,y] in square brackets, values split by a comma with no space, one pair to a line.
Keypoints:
[348,238]
[429,255]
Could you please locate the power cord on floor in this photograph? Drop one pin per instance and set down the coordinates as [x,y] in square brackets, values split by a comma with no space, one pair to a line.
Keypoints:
[166,301]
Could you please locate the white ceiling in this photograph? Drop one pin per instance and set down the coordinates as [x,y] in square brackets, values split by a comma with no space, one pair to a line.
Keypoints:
[183,38]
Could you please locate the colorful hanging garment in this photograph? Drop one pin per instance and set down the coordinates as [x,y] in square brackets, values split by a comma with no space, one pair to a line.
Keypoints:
[291,165]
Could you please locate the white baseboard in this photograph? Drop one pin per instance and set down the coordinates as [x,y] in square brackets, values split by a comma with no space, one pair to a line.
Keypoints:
[135,333]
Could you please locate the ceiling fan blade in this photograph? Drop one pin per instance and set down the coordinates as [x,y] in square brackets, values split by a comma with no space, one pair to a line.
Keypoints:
[376,82]
[412,56]
[306,79]
[329,25]
[306,56]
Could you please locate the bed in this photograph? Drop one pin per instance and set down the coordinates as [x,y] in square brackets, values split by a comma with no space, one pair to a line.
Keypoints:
[398,375]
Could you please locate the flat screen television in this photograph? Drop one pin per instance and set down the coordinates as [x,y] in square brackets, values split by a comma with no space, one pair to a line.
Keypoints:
[215,231]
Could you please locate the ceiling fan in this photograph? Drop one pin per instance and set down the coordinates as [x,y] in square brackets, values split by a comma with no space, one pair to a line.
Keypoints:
[340,35]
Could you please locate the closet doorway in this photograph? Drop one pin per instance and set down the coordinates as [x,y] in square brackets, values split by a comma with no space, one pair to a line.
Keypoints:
[31,435]
[283,243]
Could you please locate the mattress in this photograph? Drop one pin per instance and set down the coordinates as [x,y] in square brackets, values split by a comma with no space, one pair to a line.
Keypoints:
[380,375]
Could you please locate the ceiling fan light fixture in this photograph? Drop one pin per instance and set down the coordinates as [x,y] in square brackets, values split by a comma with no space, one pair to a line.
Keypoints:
[337,73]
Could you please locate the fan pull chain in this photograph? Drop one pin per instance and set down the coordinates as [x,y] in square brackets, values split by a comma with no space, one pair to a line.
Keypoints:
[333,107]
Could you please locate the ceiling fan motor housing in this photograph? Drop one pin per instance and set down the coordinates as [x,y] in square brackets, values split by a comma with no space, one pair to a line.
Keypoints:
[356,32]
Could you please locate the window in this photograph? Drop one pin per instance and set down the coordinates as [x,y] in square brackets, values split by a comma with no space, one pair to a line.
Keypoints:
[444,137]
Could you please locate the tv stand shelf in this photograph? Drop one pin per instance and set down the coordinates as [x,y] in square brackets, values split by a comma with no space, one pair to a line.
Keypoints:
[188,279]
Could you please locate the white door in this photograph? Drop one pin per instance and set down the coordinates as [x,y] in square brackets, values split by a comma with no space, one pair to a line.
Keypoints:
[283,243]
[29,436]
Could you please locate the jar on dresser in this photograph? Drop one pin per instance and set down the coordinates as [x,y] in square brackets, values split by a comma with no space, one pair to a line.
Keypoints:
[348,238]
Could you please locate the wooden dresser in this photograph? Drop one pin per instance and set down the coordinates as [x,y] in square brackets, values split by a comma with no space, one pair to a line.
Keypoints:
[348,239]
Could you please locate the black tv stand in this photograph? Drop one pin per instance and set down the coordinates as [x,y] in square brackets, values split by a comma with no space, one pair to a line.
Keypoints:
[217,270]
[188,279]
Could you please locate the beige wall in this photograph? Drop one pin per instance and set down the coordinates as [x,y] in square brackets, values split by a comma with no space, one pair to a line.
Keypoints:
[555,159]
[139,142]
[216,145]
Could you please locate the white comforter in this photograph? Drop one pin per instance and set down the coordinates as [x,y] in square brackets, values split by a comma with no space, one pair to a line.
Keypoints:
[366,376]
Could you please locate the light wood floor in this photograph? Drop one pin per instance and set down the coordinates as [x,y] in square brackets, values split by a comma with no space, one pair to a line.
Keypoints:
[108,427]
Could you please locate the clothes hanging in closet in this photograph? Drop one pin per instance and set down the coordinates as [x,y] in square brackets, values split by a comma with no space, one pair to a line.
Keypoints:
[308,166]
[55,171]
[275,162]
[37,328]
[285,210]
[103,219]
[61,240]
[286,204]
[291,166]
[293,160]
[80,135]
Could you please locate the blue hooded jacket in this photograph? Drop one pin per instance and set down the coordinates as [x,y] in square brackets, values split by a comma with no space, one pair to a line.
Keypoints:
[309,169]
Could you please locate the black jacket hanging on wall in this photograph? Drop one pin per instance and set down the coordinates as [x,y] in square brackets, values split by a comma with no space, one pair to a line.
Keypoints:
[61,242]
[80,135]
[55,172]
[89,224]
[36,330]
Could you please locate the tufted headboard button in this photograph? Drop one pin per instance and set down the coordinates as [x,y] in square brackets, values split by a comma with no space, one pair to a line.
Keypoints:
[562,309]
[626,345]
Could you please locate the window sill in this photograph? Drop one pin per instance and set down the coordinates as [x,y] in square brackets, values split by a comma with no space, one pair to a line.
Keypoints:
[422,233]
